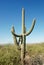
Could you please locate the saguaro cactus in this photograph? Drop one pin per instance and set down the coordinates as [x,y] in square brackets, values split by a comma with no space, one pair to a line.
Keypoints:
[23,36]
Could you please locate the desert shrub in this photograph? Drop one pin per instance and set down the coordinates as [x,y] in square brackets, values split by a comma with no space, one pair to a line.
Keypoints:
[9,55]
[36,60]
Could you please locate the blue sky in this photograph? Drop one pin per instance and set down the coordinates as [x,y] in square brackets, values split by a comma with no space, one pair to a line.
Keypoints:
[11,14]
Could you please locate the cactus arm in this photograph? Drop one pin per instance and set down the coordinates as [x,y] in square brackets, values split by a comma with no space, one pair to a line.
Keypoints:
[14,37]
[13,32]
[32,27]
[16,34]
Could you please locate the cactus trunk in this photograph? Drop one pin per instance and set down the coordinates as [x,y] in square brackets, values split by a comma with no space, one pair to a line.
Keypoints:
[23,45]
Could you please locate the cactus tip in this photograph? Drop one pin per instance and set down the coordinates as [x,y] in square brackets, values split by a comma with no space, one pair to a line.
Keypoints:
[22,8]
[34,20]
[12,29]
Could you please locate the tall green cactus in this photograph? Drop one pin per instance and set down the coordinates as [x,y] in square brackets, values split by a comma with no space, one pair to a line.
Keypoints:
[23,36]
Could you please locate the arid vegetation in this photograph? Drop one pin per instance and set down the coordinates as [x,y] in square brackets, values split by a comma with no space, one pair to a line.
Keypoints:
[9,55]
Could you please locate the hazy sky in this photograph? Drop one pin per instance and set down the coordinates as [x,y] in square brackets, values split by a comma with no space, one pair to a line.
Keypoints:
[11,14]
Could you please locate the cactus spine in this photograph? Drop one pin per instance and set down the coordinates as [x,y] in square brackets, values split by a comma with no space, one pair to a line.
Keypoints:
[23,36]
